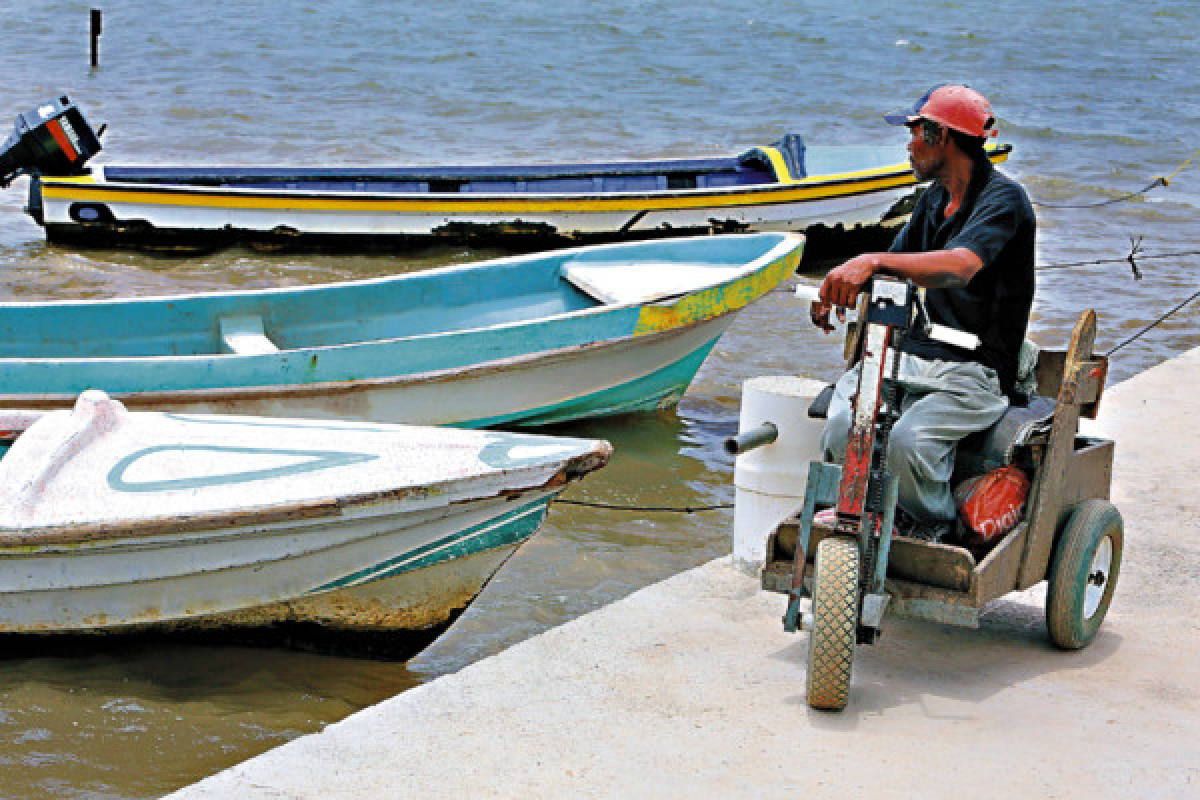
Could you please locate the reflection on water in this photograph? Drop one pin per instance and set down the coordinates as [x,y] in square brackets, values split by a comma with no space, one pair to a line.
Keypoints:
[41,271]
[138,721]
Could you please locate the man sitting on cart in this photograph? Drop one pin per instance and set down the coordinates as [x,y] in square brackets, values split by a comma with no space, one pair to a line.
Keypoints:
[970,244]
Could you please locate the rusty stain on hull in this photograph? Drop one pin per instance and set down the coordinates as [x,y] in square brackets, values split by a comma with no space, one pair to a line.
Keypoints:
[423,600]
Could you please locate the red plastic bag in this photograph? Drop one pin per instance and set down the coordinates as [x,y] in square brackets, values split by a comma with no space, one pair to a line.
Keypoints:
[991,505]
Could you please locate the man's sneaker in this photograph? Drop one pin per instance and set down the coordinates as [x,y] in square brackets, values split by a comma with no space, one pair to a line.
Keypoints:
[827,518]
[927,530]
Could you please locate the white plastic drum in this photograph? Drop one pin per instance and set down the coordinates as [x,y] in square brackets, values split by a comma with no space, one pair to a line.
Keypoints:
[770,480]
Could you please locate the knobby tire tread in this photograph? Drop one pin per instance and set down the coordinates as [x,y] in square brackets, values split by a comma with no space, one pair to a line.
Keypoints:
[835,623]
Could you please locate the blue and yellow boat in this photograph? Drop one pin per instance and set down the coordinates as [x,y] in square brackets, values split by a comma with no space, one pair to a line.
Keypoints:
[784,186]
[523,340]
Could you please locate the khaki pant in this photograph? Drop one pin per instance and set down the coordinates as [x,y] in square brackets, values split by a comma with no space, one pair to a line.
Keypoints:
[943,402]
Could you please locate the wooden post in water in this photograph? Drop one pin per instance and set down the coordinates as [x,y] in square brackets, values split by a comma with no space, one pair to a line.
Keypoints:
[97,25]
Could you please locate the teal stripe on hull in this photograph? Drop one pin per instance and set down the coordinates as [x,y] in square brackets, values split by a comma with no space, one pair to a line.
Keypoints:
[510,528]
[363,361]
[659,389]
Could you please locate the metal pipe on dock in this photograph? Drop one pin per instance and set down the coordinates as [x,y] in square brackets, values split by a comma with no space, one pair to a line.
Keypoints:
[746,441]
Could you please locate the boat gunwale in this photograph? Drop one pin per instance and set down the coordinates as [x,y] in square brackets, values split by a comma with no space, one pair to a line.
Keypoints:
[898,172]
[317,508]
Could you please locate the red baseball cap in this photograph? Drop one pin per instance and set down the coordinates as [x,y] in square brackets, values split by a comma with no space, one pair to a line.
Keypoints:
[952,105]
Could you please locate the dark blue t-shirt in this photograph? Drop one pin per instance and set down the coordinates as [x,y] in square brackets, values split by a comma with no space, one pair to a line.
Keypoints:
[996,223]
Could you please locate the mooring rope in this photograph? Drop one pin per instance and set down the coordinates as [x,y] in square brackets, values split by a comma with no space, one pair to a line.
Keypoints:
[1138,255]
[1161,180]
[1180,168]
[1153,324]
[1135,252]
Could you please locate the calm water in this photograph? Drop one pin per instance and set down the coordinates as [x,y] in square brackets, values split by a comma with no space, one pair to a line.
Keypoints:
[1098,98]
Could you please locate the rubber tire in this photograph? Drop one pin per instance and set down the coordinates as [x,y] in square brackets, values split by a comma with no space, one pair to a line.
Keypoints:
[1092,522]
[834,623]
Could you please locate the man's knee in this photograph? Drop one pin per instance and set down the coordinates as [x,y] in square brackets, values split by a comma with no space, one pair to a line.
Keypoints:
[903,438]
[910,453]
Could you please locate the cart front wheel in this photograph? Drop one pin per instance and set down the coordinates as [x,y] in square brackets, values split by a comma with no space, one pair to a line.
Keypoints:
[835,623]
[1083,573]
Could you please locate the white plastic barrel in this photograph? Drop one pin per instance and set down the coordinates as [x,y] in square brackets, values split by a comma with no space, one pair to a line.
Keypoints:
[769,481]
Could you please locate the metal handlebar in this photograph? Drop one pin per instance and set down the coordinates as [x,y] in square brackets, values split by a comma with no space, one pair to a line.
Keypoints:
[806,292]
[939,333]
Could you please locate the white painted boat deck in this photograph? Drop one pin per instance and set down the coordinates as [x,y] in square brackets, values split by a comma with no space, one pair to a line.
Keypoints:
[690,688]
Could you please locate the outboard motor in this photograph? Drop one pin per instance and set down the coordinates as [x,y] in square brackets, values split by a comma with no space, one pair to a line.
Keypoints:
[52,139]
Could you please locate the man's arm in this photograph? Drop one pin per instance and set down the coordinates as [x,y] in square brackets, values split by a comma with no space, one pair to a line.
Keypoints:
[936,269]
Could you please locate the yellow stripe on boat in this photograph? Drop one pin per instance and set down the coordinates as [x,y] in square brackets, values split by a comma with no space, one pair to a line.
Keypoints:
[719,300]
[782,173]
[775,193]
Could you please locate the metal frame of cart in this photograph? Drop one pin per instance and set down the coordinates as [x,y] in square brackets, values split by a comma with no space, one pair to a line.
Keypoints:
[1071,537]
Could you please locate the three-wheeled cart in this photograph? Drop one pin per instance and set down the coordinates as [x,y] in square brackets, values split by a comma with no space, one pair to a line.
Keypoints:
[1070,536]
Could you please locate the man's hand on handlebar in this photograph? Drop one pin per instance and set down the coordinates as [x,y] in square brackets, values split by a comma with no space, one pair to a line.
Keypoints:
[843,283]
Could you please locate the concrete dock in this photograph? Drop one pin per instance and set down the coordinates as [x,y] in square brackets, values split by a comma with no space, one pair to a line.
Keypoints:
[690,688]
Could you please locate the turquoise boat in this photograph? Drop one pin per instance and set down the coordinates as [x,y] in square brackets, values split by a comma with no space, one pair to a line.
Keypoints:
[523,340]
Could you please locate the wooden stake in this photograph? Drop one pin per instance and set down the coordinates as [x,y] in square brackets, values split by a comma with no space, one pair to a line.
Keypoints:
[97,25]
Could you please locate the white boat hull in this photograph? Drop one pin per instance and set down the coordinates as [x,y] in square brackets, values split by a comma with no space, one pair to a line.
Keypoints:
[537,389]
[853,209]
[112,521]
[265,575]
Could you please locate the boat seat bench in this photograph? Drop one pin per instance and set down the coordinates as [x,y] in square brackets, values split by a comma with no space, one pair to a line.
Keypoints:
[243,335]
[620,283]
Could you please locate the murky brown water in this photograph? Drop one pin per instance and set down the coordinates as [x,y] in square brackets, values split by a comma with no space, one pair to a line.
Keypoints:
[1097,99]
[140,720]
